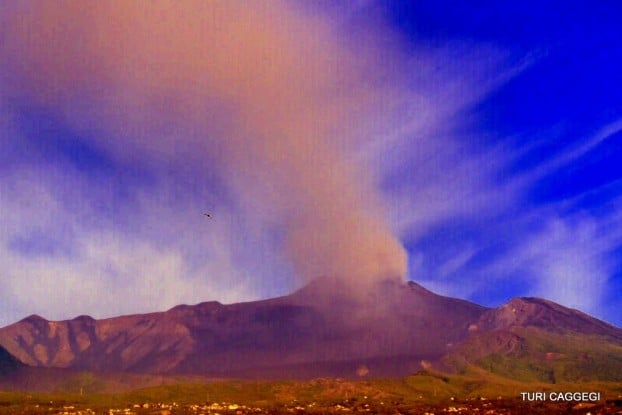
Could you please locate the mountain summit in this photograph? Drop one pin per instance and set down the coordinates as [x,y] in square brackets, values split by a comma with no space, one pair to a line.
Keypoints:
[392,329]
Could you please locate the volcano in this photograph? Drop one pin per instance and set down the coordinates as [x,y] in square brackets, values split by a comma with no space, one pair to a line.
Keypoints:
[390,329]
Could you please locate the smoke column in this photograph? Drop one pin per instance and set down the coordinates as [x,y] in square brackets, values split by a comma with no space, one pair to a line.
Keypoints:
[272,94]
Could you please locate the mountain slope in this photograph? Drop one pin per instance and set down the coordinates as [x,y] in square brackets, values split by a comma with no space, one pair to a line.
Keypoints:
[8,362]
[532,339]
[546,315]
[325,329]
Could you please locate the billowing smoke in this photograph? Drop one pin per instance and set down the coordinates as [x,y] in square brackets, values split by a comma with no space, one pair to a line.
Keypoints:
[271,97]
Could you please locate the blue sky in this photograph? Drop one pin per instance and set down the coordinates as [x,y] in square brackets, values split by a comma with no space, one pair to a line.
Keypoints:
[485,137]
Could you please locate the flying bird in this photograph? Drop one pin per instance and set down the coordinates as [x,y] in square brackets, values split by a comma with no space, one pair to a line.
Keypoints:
[208,215]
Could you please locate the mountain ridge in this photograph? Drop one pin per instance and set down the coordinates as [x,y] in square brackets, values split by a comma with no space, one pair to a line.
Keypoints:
[392,330]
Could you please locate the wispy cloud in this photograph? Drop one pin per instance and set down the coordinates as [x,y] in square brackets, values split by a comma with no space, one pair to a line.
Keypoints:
[313,150]
[567,156]
[468,215]
[62,260]
[569,259]
[492,235]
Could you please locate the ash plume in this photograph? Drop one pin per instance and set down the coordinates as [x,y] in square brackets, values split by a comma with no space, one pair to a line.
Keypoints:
[271,97]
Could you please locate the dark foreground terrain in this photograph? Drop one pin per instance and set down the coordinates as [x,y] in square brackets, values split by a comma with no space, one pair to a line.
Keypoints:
[471,406]
[424,393]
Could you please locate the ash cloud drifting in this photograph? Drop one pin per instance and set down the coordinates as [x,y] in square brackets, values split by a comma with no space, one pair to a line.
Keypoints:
[270,96]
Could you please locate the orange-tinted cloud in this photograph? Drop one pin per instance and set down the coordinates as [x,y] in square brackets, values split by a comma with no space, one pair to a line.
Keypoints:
[270,93]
